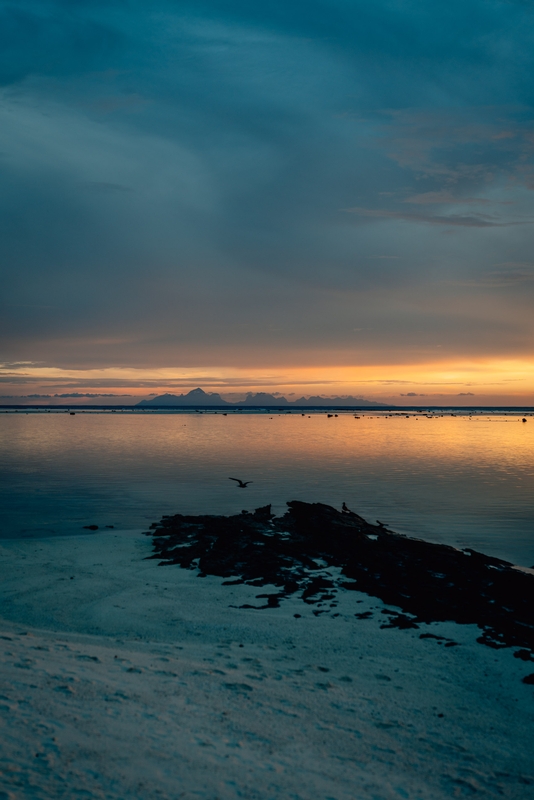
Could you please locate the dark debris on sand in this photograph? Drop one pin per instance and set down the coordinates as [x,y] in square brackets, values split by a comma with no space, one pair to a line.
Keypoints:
[294,552]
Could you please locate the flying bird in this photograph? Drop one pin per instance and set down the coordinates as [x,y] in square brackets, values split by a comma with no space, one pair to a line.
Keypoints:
[242,484]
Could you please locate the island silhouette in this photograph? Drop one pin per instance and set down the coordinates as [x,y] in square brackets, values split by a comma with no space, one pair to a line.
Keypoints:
[199,398]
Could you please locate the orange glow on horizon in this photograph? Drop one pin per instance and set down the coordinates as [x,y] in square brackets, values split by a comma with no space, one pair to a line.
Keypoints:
[485,382]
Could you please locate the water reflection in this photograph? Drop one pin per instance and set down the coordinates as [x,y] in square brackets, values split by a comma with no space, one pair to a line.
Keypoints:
[468,482]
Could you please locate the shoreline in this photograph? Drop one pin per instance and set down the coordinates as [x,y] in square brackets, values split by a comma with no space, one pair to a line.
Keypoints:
[315,551]
[217,701]
[382,410]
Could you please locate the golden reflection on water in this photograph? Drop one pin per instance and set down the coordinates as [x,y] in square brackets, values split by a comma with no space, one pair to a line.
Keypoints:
[466,481]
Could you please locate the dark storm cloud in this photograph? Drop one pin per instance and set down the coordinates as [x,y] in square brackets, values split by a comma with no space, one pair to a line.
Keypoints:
[178,178]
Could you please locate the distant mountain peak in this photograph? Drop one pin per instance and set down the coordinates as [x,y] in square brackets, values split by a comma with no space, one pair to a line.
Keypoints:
[196,397]
[262,399]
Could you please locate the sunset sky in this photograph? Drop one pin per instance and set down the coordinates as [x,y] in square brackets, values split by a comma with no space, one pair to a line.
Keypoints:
[322,197]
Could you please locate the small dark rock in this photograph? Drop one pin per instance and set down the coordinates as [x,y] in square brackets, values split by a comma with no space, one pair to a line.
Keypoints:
[90,527]
[524,655]
[396,620]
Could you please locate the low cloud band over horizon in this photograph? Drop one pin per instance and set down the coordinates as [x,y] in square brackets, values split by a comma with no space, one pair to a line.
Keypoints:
[319,198]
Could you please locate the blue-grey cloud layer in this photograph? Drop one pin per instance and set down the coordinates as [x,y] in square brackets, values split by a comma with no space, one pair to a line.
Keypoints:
[209,182]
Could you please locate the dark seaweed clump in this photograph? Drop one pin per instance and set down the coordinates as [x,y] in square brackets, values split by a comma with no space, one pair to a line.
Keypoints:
[294,552]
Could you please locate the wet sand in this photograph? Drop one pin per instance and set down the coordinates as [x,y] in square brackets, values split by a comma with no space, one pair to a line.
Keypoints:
[124,679]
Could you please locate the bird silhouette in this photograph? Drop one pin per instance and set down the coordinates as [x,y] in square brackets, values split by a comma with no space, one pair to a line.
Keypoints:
[242,484]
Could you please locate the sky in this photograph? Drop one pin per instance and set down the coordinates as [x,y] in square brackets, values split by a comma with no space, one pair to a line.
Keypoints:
[323,197]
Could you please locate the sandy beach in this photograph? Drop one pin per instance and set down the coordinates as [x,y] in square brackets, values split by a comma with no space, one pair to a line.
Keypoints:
[124,679]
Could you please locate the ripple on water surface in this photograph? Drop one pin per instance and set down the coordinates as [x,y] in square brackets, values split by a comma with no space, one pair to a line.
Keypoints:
[467,482]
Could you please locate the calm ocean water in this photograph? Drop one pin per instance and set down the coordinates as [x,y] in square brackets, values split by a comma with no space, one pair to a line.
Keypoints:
[466,482]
